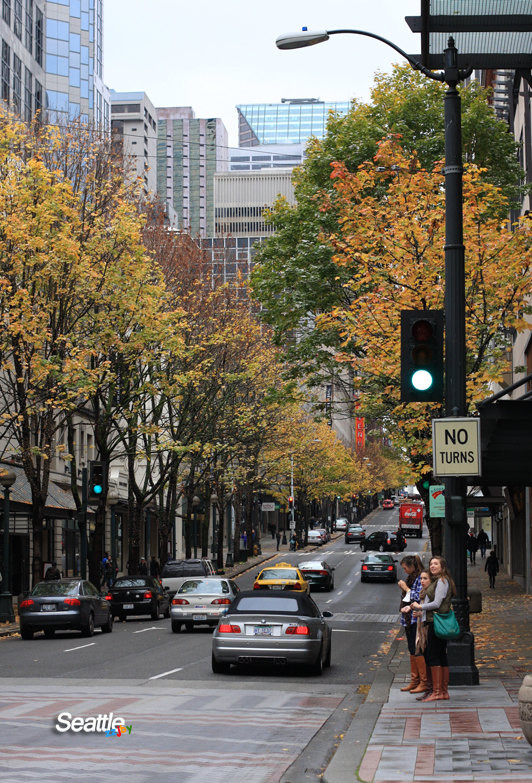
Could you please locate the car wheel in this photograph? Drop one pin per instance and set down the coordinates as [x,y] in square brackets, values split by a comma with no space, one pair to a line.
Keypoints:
[166,614]
[155,613]
[26,633]
[381,548]
[317,668]
[122,618]
[327,661]
[218,667]
[362,579]
[88,629]
[49,633]
[108,626]
[189,627]
[363,547]
[176,626]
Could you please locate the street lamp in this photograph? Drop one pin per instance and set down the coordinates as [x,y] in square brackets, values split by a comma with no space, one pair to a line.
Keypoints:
[464,669]
[229,559]
[7,479]
[214,501]
[195,503]
[113,499]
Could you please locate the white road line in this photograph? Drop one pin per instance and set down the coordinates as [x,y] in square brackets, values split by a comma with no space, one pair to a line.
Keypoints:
[153,628]
[350,582]
[329,601]
[339,592]
[71,649]
[165,674]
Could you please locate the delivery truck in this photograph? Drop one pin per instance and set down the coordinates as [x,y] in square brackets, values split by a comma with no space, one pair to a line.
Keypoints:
[411,519]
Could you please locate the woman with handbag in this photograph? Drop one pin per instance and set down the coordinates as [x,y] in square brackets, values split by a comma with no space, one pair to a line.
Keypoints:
[410,590]
[436,598]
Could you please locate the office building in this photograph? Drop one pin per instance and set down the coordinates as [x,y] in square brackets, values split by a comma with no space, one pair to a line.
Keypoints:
[293,121]
[276,156]
[134,127]
[22,75]
[241,199]
[189,153]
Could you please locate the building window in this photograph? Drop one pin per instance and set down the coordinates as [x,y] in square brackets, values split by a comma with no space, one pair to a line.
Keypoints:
[6,12]
[38,97]
[6,71]
[28,94]
[39,30]
[17,20]
[29,26]
[17,84]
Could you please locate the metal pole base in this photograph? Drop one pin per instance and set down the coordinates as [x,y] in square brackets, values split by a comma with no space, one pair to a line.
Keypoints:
[461,656]
[6,608]
[229,561]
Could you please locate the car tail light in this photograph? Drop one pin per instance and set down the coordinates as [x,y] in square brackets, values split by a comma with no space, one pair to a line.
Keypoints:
[223,601]
[26,603]
[390,568]
[227,628]
[256,586]
[322,573]
[364,568]
[72,602]
[179,602]
[298,630]
[389,541]
[108,597]
[148,594]
[295,586]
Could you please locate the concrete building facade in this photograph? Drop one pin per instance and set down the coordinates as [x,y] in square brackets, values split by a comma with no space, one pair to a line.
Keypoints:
[134,127]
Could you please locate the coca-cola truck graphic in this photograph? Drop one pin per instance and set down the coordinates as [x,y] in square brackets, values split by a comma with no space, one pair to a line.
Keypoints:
[411,519]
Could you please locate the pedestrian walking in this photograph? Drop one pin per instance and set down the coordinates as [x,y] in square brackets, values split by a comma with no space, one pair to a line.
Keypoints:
[483,542]
[492,567]
[436,597]
[472,547]
[278,537]
[143,567]
[293,542]
[108,572]
[52,572]
[244,540]
[155,568]
[410,590]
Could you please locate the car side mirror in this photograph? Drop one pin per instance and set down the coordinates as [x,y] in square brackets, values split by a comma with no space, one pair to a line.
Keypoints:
[326,613]
[166,589]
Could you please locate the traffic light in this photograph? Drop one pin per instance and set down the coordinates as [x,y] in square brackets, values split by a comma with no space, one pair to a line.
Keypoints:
[97,476]
[290,502]
[421,356]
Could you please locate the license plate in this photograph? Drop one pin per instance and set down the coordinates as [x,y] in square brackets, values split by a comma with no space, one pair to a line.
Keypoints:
[199,617]
[262,630]
[128,606]
[48,607]
[276,587]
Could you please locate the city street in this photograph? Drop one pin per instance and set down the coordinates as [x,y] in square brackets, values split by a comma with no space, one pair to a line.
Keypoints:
[248,725]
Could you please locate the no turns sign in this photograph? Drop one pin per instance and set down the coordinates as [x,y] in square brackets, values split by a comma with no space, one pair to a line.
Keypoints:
[456,447]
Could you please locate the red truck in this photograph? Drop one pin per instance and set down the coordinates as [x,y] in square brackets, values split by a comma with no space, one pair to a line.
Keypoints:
[411,519]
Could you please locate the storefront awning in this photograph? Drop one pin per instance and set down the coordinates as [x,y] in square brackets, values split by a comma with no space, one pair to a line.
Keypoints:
[58,502]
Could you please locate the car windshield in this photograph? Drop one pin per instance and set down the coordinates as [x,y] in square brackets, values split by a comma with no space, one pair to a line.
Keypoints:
[56,588]
[131,581]
[266,603]
[278,573]
[204,586]
[315,565]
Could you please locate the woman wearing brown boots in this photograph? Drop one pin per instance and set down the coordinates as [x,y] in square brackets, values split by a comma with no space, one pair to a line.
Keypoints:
[436,597]
[411,588]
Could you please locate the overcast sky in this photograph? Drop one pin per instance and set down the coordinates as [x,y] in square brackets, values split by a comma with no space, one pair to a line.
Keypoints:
[215,55]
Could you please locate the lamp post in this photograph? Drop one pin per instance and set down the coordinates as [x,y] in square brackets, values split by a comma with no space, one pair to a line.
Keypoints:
[112,500]
[7,479]
[195,503]
[214,549]
[229,559]
[461,653]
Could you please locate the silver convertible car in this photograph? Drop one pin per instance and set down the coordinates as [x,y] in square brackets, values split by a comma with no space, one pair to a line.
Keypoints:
[279,629]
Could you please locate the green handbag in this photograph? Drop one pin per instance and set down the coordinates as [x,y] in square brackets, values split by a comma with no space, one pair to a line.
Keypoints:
[446,625]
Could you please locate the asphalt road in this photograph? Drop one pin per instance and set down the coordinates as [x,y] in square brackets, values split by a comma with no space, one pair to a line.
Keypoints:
[143,660]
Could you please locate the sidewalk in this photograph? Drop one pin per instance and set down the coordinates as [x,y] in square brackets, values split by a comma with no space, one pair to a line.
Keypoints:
[476,735]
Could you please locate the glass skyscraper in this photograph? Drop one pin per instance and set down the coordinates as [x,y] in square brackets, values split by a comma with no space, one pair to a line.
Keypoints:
[288,122]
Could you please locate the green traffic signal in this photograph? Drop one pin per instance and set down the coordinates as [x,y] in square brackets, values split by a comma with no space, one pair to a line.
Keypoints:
[421,356]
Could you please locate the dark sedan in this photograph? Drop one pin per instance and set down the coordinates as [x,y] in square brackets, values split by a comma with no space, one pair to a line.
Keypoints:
[354,534]
[378,567]
[281,628]
[64,605]
[318,573]
[384,541]
[134,595]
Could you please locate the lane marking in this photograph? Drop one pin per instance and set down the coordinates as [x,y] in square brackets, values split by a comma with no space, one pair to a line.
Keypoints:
[153,628]
[82,647]
[165,674]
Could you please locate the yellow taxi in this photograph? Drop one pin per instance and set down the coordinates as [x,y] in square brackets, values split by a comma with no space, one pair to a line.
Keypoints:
[282,576]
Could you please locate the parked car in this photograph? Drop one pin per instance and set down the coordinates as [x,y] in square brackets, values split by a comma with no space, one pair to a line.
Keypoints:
[377,566]
[355,534]
[175,572]
[387,503]
[134,595]
[318,573]
[64,605]
[341,523]
[324,533]
[280,628]
[384,541]
[202,601]
[282,576]
[315,537]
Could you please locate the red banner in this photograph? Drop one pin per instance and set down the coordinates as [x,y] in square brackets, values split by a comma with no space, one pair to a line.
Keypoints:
[360,434]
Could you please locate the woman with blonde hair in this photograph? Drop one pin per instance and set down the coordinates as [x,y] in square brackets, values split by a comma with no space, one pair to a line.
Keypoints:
[436,598]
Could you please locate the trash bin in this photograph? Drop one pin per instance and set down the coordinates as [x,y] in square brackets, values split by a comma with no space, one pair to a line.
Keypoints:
[475,600]
[243,557]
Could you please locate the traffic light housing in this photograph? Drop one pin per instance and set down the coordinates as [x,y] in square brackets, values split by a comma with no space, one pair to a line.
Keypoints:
[290,502]
[421,356]
[97,479]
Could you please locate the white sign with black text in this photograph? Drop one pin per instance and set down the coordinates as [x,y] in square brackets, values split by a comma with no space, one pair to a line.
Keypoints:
[456,447]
